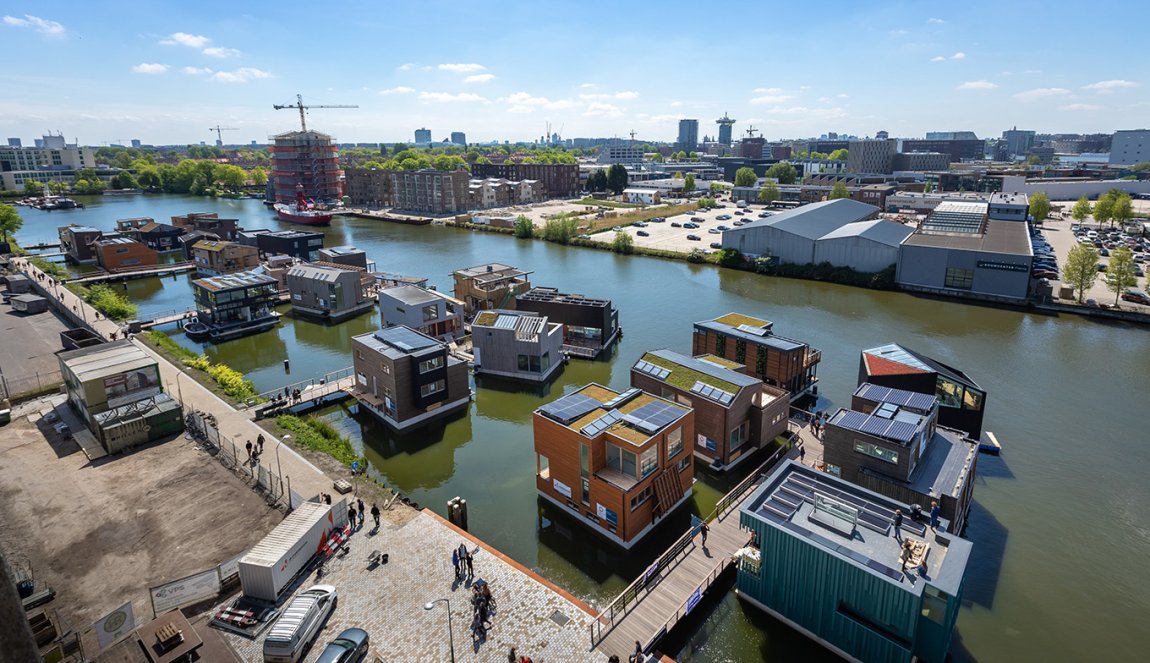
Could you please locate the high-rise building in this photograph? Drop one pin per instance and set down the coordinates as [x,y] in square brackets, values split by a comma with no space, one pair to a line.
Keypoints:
[1130,147]
[422,136]
[135,142]
[870,156]
[306,158]
[725,124]
[688,136]
[14,142]
[881,135]
[457,137]
[1018,142]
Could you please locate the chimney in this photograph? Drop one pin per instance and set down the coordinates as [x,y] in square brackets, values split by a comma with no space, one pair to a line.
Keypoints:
[490,268]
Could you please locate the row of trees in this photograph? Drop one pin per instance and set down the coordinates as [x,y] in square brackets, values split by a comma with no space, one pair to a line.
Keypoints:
[1081,270]
[1114,206]
[614,179]
[785,173]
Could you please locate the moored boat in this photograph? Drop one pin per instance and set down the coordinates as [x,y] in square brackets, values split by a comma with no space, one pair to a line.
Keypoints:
[302,211]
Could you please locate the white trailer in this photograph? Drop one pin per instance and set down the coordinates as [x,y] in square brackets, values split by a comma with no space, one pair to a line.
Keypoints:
[269,566]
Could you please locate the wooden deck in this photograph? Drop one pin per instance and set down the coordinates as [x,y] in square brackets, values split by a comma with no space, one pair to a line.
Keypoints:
[125,275]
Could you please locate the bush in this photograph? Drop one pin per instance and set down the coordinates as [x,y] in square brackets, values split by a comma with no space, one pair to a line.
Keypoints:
[166,343]
[232,382]
[623,243]
[524,228]
[697,256]
[319,436]
[731,258]
[50,268]
[114,305]
[560,229]
[825,271]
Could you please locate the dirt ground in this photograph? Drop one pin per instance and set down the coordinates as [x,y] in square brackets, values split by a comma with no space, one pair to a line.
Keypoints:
[101,533]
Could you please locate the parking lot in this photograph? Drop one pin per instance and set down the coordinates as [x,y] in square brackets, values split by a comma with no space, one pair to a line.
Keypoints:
[1061,238]
[672,234]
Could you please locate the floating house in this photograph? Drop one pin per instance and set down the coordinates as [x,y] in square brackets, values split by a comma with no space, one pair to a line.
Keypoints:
[590,326]
[520,345]
[751,342]
[234,305]
[427,311]
[490,286]
[328,293]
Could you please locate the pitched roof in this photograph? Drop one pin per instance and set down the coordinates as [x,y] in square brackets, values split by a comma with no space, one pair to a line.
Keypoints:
[815,220]
[876,230]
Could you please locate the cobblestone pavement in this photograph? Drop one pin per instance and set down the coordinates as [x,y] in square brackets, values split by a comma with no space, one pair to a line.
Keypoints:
[388,602]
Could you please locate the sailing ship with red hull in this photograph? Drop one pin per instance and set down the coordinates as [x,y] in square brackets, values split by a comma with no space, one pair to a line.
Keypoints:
[302,211]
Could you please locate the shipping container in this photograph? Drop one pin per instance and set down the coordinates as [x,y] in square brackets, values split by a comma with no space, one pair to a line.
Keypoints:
[285,551]
[29,304]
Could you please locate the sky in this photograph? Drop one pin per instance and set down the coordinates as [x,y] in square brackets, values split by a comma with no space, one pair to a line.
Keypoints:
[163,72]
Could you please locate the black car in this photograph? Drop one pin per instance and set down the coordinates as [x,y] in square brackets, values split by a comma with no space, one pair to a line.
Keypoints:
[693,238]
[716,245]
[643,233]
[348,647]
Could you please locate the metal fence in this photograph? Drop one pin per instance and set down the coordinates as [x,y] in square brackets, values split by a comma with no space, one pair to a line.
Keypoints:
[29,385]
[203,428]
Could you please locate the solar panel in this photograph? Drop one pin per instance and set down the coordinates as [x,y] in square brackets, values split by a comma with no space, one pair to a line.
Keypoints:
[569,408]
[886,410]
[622,398]
[713,393]
[911,399]
[656,415]
[601,424]
[757,331]
[647,367]
[405,339]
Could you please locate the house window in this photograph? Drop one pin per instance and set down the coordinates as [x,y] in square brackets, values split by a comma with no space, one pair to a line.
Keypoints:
[530,363]
[875,451]
[430,364]
[684,462]
[585,472]
[669,394]
[649,462]
[432,388]
[621,461]
[835,470]
[674,443]
[430,313]
[643,496]
[934,603]
[739,435]
[962,279]
[386,368]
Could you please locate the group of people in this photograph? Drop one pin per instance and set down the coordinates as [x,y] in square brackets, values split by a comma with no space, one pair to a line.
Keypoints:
[482,606]
[361,513]
[636,656]
[463,561]
[818,423]
[255,450]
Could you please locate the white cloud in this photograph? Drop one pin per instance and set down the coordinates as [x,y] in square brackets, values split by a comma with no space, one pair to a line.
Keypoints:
[768,90]
[676,104]
[935,20]
[41,25]
[588,86]
[977,85]
[406,66]
[771,99]
[1108,87]
[447,97]
[479,78]
[898,32]
[844,95]
[185,39]
[220,52]
[398,90]
[150,68]
[1040,93]
[1079,107]
[462,68]
[958,56]
[603,110]
[196,71]
[626,94]
[521,109]
[241,75]
[525,99]
[938,58]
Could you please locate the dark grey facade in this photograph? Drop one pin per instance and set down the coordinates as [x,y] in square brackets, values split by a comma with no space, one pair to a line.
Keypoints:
[589,325]
[295,243]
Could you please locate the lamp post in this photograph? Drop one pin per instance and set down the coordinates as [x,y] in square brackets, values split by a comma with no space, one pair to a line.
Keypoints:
[179,389]
[279,470]
[450,635]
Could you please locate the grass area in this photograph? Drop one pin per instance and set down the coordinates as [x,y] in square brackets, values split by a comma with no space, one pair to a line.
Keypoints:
[226,380]
[714,359]
[606,203]
[112,303]
[736,319]
[641,215]
[684,378]
[485,319]
[50,268]
[319,436]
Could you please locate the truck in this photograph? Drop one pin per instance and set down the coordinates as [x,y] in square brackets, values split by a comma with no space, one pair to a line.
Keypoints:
[272,563]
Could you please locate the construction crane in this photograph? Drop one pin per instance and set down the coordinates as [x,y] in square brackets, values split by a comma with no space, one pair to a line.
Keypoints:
[220,133]
[751,131]
[632,135]
[300,105]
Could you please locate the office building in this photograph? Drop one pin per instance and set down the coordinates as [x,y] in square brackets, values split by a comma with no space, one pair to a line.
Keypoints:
[427,311]
[56,162]
[827,565]
[490,286]
[406,378]
[725,126]
[688,136]
[520,345]
[920,161]
[1018,142]
[328,293]
[457,138]
[751,343]
[870,156]
[423,137]
[619,153]
[590,326]
[1129,147]
[735,414]
[618,462]
[309,159]
[956,149]
[14,142]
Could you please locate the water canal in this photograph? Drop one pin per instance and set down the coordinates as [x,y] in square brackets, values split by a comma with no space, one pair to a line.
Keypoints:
[1061,524]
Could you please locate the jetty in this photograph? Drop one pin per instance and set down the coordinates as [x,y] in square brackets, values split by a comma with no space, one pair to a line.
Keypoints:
[129,274]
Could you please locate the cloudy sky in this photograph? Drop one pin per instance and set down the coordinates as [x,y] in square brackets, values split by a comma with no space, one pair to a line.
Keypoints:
[164,72]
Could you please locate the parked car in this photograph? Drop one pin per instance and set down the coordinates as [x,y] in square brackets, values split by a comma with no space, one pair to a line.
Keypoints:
[715,231]
[691,226]
[658,219]
[1136,296]
[299,624]
[694,238]
[643,233]
[1092,302]
[676,224]
[724,217]
[1138,271]
[1104,252]
[697,219]
[739,213]
[348,647]
[716,245]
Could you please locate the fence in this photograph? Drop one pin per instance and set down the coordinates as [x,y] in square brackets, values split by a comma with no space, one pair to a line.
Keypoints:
[30,385]
[202,427]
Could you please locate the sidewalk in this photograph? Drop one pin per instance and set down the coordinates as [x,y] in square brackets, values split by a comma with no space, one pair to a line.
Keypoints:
[306,479]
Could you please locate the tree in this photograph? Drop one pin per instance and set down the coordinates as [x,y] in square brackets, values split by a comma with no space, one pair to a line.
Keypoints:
[1103,208]
[1081,268]
[1081,210]
[785,173]
[1039,206]
[124,180]
[677,175]
[560,228]
[623,243]
[769,193]
[1141,167]
[10,220]
[524,228]
[656,158]
[838,155]
[745,177]
[229,177]
[689,183]
[715,187]
[33,188]
[597,181]
[1123,209]
[839,190]
[1120,272]
[1033,160]
[705,202]
[617,178]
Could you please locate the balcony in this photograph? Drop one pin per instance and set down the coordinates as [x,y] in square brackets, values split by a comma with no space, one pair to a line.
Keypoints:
[813,357]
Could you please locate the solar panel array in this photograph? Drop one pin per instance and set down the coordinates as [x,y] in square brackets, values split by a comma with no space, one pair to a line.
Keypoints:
[899,431]
[657,372]
[757,331]
[622,398]
[405,339]
[602,423]
[653,416]
[952,217]
[900,397]
[713,393]
[569,408]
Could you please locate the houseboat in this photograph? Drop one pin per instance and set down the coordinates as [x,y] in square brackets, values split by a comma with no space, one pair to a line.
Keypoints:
[233,305]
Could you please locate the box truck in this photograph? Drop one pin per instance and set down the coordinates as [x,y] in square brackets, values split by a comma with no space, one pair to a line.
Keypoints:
[269,566]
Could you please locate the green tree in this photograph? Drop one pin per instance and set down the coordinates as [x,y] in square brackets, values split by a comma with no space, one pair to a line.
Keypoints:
[1081,209]
[10,220]
[745,177]
[1123,209]
[730,258]
[1120,272]
[597,181]
[655,157]
[259,176]
[689,183]
[677,175]
[1141,167]
[769,193]
[715,187]
[1081,268]
[838,155]
[1033,160]
[785,173]
[560,228]
[617,178]
[124,180]
[33,188]
[1103,208]
[839,190]
[524,228]
[1039,206]
[705,202]
[623,243]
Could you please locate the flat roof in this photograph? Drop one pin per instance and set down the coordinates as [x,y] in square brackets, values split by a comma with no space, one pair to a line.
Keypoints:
[318,272]
[345,250]
[633,416]
[399,341]
[292,234]
[749,334]
[105,360]
[686,372]
[900,397]
[945,465]
[235,281]
[1005,237]
[489,268]
[411,295]
[553,295]
[889,423]
[786,501]
[116,240]
[877,230]
[1003,198]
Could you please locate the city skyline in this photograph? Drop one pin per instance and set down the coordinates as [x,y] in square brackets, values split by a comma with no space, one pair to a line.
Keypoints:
[165,73]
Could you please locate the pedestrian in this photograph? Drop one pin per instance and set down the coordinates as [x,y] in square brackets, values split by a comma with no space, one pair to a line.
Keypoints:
[362,511]
[934,511]
[351,516]
[637,655]
[455,561]
[249,448]
[905,553]
[613,658]
[511,657]
[803,455]
[898,524]
[260,442]
[375,515]
[703,530]
[470,566]
[113,334]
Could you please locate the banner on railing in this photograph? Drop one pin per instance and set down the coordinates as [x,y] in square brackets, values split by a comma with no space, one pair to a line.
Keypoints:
[694,599]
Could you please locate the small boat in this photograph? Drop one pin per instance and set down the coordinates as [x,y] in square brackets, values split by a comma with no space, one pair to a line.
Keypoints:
[197,330]
[302,211]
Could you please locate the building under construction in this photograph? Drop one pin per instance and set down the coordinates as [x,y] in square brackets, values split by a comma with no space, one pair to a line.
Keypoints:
[307,158]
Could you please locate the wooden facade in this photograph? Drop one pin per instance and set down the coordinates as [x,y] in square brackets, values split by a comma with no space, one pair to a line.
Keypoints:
[490,286]
[119,253]
[776,360]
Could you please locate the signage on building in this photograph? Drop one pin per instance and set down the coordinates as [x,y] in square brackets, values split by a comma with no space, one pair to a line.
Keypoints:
[694,599]
[561,488]
[1003,266]
[132,386]
[116,624]
[186,591]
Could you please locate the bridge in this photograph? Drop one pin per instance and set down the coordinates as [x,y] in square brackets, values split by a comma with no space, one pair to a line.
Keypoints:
[313,392]
[128,274]
[165,317]
[675,583]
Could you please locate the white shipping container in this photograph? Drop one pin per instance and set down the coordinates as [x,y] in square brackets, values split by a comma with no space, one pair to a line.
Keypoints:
[274,561]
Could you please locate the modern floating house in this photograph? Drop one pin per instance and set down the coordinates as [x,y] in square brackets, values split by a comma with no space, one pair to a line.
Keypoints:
[825,560]
[620,462]
[328,293]
[751,342]
[961,401]
[735,414]
[424,310]
[520,345]
[234,305]
[490,286]
[590,325]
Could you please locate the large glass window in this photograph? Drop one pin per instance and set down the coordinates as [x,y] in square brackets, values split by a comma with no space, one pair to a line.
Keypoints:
[972,400]
[430,364]
[934,604]
[949,392]
[432,388]
[585,472]
[674,443]
[739,435]
[962,279]
[621,461]
[649,462]
[875,451]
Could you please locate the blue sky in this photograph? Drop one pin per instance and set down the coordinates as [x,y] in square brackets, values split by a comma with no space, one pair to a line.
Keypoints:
[165,71]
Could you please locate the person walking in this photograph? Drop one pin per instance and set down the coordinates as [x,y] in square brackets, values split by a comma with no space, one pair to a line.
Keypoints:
[260,442]
[905,554]
[703,531]
[249,448]
[470,565]
[351,516]
[934,513]
[362,511]
[898,524]
[375,516]
[455,561]
[803,455]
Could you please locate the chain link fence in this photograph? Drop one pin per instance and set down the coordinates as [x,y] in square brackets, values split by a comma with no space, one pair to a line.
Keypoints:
[30,385]
[202,427]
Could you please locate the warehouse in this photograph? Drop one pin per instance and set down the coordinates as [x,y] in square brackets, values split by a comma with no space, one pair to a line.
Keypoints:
[866,246]
[792,235]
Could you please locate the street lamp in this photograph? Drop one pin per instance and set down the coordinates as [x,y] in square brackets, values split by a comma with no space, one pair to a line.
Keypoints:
[450,635]
[279,471]
[179,389]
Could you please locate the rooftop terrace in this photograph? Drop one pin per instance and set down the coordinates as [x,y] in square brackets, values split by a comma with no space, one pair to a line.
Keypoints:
[633,415]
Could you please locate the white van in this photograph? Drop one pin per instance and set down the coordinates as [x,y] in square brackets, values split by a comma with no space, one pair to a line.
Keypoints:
[298,625]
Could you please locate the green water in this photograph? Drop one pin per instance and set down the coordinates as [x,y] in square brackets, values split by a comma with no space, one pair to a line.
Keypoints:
[1059,524]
